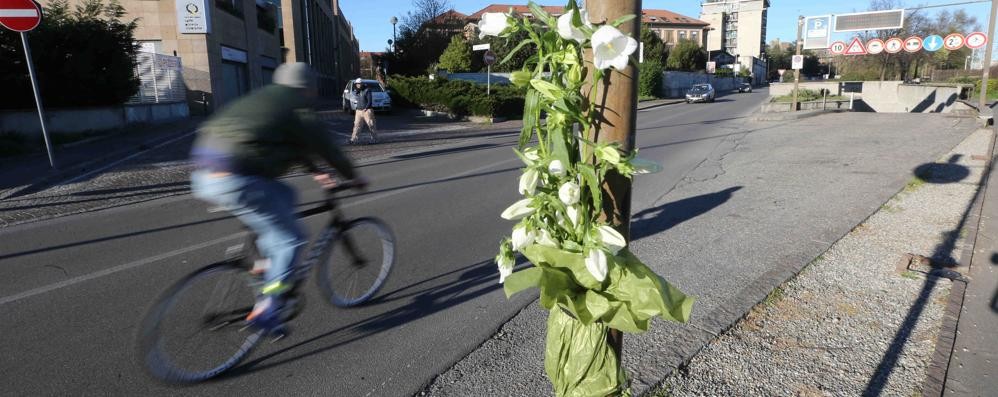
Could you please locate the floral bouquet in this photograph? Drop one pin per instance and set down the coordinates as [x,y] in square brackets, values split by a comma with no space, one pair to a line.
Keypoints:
[587,277]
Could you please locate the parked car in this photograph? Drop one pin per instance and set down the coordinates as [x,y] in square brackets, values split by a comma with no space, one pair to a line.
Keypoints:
[380,95]
[700,93]
[744,87]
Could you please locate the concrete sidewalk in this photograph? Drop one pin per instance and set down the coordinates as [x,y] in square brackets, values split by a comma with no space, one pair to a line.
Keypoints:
[973,367]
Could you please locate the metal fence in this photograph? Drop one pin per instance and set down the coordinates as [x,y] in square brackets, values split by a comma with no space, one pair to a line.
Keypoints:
[161,79]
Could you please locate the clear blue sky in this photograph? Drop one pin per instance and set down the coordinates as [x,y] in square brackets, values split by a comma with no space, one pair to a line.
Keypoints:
[370,17]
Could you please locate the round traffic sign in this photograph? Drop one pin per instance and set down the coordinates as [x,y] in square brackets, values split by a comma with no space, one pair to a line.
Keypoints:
[913,44]
[20,15]
[893,45]
[875,46]
[489,57]
[837,47]
[932,43]
[953,41]
[976,40]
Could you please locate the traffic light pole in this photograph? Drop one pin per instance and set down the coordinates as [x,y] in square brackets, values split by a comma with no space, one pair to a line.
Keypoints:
[617,98]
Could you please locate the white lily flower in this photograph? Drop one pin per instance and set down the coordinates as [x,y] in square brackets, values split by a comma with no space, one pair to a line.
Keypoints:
[612,48]
[573,214]
[518,210]
[643,166]
[505,264]
[569,193]
[613,240]
[568,31]
[492,24]
[556,168]
[528,182]
[522,238]
[596,264]
[544,238]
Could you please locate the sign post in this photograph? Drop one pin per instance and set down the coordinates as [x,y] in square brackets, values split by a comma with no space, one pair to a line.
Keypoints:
[489,58]
[23,16]
[800,27]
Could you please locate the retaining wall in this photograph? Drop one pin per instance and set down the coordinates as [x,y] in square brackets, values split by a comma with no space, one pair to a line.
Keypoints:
[675,84]
[91,119]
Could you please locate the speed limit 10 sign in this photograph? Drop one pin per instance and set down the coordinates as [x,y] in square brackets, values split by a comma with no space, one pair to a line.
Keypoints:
[837,47]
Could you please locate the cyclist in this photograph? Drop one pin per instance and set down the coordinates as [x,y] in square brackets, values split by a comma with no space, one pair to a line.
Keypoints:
[240,152]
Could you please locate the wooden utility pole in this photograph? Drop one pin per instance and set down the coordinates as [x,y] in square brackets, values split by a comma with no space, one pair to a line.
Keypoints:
[800,45]
[617,100]
[986,63]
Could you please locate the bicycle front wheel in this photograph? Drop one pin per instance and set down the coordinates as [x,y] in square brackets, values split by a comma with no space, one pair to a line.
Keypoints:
[357,262]
[197,329]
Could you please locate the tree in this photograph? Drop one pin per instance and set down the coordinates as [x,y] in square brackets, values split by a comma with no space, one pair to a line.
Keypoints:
[457,57]
[654,47]
[686,56]
[419,45]
[502,47]
[84,57]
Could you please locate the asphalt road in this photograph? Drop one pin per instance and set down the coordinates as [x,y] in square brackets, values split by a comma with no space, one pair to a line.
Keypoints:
[75,288]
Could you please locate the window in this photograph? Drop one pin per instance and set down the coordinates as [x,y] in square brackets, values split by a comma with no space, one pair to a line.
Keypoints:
[694,36]
[682,35]
[667,36]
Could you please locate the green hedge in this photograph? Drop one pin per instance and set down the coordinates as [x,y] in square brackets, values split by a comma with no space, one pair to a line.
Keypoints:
[458,97]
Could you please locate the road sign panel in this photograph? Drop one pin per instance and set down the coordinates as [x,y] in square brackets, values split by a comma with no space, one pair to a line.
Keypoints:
[817,32]
[875,46]
[20,15]
[871,20]
[893,45]
[953,42]
[855,48]
[480,47]
[976,40]
[933,43]
[837,48]
[489,57]
[797,62]
[913,44]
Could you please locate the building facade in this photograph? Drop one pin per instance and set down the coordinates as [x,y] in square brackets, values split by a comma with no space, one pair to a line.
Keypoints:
[737,27]
[316,32]
[231,48]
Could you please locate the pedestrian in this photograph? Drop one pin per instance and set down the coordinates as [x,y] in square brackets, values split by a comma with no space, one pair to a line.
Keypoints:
[364,112]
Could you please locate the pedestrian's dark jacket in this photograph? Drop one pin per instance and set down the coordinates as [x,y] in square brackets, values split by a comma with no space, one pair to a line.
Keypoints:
[364,98]
[266,133]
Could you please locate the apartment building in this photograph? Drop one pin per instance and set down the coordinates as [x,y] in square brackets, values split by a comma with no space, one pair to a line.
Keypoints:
[737,27]
[316,32]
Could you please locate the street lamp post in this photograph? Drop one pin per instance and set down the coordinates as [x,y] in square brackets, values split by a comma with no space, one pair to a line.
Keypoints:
[394,39]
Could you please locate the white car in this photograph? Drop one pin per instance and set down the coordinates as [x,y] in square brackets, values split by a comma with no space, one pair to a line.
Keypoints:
[379,95]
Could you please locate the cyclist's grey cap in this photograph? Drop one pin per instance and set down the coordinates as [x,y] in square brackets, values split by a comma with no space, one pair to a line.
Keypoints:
[297,75]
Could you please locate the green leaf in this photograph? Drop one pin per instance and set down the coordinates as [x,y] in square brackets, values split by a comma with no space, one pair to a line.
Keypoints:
[620,21]
[539,13]
[547,89]
[531,111]
[521,280]
[588,173]
[515,50]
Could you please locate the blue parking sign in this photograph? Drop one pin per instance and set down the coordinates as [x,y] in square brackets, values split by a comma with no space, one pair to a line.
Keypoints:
[932,43]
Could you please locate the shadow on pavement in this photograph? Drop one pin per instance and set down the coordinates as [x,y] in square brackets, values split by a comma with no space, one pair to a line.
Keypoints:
[942,262]
[659,219]
[426,297]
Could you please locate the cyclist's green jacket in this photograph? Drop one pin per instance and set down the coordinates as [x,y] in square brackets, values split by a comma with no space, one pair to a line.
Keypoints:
[265,133]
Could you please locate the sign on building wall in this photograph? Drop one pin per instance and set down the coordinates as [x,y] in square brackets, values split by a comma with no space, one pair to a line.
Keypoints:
[817,32]
[193,17]
[234,55]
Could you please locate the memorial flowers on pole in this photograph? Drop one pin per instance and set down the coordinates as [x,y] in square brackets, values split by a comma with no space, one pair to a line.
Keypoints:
[587,277]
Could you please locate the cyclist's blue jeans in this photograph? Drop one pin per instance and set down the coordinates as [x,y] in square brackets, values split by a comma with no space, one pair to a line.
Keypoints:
[266,206]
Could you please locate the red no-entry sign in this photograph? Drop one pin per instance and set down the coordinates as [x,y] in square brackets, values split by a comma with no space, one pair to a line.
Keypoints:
[20,15]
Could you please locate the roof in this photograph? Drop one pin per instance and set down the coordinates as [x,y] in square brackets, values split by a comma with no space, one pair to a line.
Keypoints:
[669,17]
[647,15]
[448,16]
[521,9]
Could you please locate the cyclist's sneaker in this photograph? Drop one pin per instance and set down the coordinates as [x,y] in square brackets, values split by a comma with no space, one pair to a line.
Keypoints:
[266,313]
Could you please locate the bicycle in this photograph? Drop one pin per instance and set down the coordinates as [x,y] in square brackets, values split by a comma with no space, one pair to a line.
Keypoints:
[233,290]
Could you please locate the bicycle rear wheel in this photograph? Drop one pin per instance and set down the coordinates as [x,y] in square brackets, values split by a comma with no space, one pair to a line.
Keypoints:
[357,262]
[197,328]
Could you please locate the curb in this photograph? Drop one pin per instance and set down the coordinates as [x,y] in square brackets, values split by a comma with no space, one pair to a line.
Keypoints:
[793,115]
[661,104]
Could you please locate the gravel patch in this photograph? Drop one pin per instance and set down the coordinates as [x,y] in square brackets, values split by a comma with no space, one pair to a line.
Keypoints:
[851,323]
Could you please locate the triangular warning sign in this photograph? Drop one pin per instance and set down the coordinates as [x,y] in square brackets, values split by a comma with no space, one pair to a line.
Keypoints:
[855,48]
